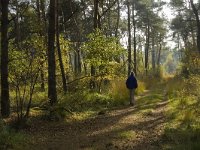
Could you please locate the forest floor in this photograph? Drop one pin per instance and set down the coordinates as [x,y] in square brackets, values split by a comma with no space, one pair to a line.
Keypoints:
[139,127]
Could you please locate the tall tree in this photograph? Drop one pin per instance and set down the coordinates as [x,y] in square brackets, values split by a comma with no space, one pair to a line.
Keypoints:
[42,32]
[52,93]
[5,102]
[196,13]
[134,36]
[129,38]
[96,26]
[59,50]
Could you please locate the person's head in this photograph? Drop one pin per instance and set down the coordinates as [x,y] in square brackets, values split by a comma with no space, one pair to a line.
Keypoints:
[132,73]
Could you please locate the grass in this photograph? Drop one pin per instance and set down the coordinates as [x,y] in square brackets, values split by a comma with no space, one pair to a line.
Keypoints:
[10,139]
[127,134]
[183,127]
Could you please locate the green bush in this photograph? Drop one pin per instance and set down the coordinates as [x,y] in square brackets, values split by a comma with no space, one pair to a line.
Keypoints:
[10,139]
[183,129]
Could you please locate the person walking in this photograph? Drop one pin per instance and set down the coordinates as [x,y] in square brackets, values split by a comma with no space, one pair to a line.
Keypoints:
[131,84]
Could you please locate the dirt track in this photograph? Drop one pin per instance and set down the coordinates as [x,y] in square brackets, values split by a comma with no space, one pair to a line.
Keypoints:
[128,128]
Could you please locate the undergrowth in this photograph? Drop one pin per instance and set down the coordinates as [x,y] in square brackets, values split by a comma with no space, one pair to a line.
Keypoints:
[183,127]
[84,100]
[10,139]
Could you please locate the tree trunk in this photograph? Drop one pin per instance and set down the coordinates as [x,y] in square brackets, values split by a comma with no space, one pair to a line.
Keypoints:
[109,21]
[118,18]
[96,26]
[195,11]
[153,55]
[134,38]
[17,26]
[5,102]
[52,94]
[129,40]
[96,14]
[147,48]
[117,27]
[159,52]
[39,10]
[79,60]
[64,82]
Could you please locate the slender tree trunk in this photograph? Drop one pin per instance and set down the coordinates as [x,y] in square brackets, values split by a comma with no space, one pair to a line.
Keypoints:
[134,38]
[129,39]
[79,60]
[96,26]
[153,55]
[147,48]
[96,14]
[159,53]
[17,26]
[109,20]
[64,82]
[5,102]
[52,93]
[39,10]
[195,11]
[117,27]
[118,18]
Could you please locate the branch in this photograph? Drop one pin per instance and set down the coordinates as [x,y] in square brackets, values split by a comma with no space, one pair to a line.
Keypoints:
[86,77]
[14,17]
[108,9]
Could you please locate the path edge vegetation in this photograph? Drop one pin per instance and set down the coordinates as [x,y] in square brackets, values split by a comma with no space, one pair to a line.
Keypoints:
[33,79]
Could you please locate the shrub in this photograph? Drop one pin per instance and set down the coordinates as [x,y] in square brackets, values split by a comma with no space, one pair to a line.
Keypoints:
[183,111]
[10,139]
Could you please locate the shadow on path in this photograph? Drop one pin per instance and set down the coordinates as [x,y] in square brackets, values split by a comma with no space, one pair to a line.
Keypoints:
[104,131]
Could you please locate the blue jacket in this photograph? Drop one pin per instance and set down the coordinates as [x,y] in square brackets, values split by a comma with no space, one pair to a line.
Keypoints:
[131,82]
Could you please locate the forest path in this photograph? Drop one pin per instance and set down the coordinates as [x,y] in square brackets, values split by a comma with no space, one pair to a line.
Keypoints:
[140,128]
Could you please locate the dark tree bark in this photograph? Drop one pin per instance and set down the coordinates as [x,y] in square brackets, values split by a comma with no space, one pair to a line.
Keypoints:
[159,53]
[118,18]
[195,11]
[96,15]
[64,82]
[147,48]
[5,102]
[52,93]
[117,27]
[129,39]
[96,26]
[134,38]
[153,54]
[77,59]
[39,9]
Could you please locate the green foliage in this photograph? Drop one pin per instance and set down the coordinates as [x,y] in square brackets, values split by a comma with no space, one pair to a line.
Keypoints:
[128,135]
[101,50]
[114,93]
[190,63]
[119,92]
[187,139]
[10,139]
[27,60]
[170,64]
[183,113]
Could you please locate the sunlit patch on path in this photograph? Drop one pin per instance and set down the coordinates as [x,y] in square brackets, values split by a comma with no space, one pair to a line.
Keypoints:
[138,127]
